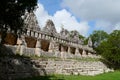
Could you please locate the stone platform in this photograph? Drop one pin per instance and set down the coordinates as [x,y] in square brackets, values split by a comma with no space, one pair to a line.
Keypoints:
[21,67]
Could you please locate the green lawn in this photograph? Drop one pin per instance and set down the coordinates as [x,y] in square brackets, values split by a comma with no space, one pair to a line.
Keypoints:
[107,76]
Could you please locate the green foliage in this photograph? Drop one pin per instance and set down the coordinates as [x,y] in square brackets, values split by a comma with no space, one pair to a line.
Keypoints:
[98,36]
[11,12]
[110,49]
[86,41]
[81,36]
[106,76]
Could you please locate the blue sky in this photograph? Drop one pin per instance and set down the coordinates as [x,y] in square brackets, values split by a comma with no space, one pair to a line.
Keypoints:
[82,15]
[51,5]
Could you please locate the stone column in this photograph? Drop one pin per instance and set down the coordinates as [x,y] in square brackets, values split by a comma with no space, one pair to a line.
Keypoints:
[63,53]
[36,34]
[77,53]
[22,49]
[46,37]
[69,54]
[19,42]
[90,55]
[51,47]
[84,53]
[40,35]
[49,37]
[28,32]
[32,33]
[21,45]
[43,36]
[38,48]
[56,48]
[69,50]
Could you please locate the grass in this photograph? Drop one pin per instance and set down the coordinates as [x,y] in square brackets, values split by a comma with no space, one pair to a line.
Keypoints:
[106,76]
[56,58]
[86,59]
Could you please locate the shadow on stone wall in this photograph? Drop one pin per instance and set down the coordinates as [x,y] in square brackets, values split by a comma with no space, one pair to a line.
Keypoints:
[5,51]
[15,66]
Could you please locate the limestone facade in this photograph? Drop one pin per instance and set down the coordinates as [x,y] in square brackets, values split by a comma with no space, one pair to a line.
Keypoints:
[48,41]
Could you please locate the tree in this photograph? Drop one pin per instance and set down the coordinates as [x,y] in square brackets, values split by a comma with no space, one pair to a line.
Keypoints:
[97,37]
[81,36]
[110,49]
[11,12]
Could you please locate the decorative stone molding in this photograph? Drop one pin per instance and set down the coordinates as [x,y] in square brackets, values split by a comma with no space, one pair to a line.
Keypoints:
[50,28]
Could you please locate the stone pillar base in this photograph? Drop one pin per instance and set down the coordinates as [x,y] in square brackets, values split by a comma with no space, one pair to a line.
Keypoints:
[50,51]
[90,55]
[84,53]
[38,52]
[57,54]
[78,55]
[22,49]
[63,55]
[18,49]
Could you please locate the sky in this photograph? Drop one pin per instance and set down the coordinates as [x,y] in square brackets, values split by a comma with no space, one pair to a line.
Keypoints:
[85,16]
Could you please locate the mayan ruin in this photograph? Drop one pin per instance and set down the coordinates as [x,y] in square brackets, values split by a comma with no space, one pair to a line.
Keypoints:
[59,40]
[47,41]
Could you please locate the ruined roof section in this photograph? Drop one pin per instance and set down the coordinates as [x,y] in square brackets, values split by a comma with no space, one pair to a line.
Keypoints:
[50,28]
[74,35]
[64,33]
[31,21]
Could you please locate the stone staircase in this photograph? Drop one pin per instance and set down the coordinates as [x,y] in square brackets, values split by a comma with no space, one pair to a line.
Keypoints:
[72,67]
[19,67]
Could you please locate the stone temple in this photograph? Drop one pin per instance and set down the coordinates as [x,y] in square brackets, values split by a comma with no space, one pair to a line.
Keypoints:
[64,46]
[48,42]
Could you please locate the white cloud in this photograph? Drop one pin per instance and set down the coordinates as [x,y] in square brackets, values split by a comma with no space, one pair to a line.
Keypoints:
[70,22]
[117,26]
[104,12]
[41,15]
[61,17]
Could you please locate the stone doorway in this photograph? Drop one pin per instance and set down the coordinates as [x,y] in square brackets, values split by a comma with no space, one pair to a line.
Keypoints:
[63,48]
[31,42]
[80,50]
[10,39]
[72,50]
[45,45]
